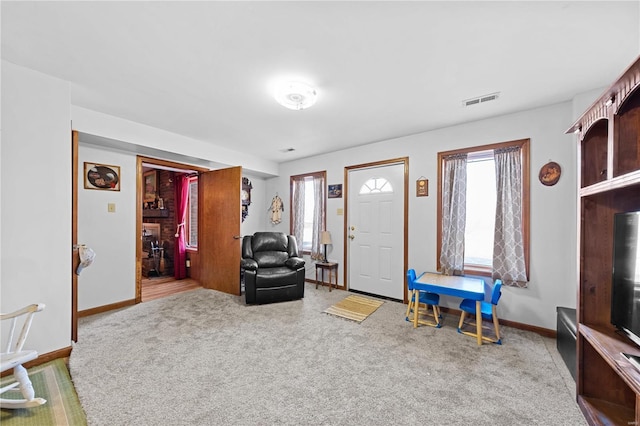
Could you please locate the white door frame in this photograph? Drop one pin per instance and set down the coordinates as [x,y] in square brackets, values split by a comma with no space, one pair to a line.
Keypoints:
[405,245]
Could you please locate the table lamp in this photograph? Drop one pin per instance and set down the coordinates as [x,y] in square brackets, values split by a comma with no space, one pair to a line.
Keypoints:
[325,238]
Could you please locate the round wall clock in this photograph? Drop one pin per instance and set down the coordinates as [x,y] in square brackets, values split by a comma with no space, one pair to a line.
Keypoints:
[550,173]
[245,195]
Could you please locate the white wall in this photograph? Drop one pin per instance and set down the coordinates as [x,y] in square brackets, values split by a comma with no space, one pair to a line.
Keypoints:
[36,202]
[582,101]
[139,136]
[553,209]
[255,221]
[111,276]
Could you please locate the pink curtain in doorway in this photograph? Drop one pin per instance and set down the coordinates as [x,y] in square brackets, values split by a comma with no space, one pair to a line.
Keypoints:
[180,254]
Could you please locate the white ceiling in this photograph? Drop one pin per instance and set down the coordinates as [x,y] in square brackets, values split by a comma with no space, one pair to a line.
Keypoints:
[382,69]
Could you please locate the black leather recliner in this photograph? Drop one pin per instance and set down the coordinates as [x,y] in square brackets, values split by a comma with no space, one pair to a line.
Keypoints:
[273,271]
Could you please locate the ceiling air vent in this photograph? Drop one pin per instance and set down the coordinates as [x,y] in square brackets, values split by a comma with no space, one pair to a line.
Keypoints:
[481,99]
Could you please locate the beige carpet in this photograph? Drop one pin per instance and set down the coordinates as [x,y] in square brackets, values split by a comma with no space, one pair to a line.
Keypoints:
[355,308]
[206,358]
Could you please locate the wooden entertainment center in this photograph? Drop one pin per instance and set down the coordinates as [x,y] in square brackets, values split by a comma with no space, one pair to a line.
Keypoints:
[608,386]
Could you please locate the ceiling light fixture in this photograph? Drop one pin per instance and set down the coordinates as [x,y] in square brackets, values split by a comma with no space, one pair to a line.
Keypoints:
[296,95]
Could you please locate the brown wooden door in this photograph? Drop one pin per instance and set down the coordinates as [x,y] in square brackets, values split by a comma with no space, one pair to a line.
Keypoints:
[75,260]
[219,229]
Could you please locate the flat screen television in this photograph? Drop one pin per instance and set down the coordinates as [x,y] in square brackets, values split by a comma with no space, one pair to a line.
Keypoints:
[625,286]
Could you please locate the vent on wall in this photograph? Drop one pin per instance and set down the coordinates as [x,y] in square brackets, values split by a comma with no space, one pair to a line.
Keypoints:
[481,99]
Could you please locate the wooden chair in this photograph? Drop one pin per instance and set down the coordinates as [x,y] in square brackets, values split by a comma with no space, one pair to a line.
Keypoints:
[419,302]
[488,310]
[14,357]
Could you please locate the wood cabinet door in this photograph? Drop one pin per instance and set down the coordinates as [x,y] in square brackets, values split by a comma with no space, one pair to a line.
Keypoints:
[219,229]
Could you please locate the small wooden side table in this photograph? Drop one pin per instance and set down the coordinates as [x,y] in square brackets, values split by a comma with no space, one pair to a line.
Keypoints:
[331,267]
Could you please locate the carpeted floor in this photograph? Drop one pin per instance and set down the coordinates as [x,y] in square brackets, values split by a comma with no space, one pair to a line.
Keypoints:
[205,358]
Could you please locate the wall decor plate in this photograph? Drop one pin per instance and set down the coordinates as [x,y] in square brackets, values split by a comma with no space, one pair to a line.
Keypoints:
[422,187]
[550,173]
[101,176]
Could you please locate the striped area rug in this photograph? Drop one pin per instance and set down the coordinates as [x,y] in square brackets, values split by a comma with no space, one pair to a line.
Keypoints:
[52,382]
[355,308]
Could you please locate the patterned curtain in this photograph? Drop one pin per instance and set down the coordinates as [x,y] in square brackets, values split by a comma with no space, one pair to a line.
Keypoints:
[318,217]
[454,207]
[297,204]
[508,245]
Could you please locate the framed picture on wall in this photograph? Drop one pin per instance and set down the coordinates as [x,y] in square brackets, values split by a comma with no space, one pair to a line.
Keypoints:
[150,181]
[101,176]
[335,191]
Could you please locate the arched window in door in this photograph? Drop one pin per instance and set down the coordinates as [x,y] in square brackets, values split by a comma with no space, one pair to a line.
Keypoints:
[376,186]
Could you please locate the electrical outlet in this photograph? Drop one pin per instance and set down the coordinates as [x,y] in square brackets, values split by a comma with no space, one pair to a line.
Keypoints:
[111,207]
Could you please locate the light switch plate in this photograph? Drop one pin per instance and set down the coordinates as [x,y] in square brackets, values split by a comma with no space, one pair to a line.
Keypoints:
[111,207]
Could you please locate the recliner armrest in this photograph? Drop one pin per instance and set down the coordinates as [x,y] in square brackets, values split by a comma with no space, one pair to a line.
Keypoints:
[294,262]
[249,264]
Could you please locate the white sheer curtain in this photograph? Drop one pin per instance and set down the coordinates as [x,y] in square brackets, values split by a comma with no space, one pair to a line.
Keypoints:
[318,217]
[297,204]
[454,206]
[508,244]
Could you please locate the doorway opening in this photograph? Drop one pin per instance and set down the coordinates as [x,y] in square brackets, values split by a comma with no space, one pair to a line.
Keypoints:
[159,221]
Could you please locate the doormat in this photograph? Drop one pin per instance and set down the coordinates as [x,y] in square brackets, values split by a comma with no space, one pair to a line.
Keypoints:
[52,382]
[354,308]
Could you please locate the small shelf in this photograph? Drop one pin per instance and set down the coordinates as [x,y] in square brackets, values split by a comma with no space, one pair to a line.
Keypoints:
[610,346]
[155,213]
[599,411]
[611,184]
[594,150]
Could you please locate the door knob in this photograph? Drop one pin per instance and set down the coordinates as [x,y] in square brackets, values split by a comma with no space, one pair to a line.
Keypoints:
[353,228]
[351,237]
[236,237]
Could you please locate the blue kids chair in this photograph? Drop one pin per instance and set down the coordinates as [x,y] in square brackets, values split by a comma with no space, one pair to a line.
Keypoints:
[417,298]
[488,310]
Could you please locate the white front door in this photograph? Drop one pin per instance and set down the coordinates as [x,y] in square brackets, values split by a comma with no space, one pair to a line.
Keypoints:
[375,230]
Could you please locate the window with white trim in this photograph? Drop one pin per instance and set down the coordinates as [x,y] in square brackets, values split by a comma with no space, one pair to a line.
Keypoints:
[481,209]
[191,234]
